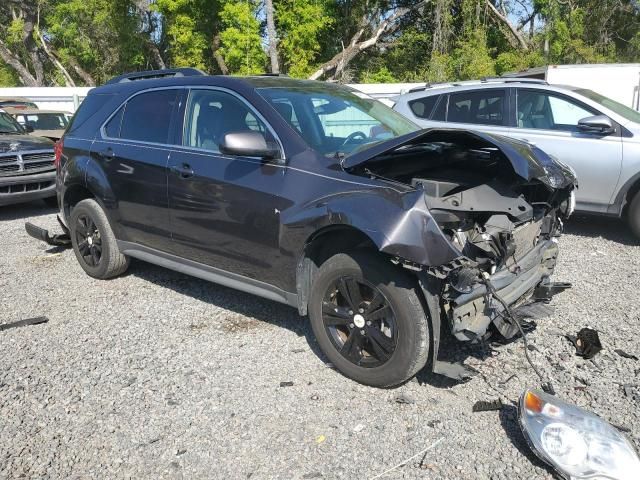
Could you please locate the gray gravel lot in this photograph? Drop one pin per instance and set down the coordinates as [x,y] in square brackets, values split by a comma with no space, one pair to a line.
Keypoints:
[159,375]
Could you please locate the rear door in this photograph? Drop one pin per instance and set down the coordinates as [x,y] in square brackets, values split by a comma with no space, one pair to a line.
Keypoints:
[484,109]
[133,151]
[550,121]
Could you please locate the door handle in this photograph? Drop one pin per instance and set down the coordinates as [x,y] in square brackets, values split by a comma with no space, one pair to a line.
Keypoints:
[184,170]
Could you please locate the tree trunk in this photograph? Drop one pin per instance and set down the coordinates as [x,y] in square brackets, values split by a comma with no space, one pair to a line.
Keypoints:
[273,39]
[54,59]
[29,15]
[23,72]
[517,35]
[339,62]
[155,53]
[82,73]
[215,45]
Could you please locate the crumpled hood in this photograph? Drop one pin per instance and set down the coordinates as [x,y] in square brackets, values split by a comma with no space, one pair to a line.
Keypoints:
[18,143]
[528,161]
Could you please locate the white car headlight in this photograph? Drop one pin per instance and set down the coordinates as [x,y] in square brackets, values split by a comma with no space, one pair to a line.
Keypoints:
[577,443]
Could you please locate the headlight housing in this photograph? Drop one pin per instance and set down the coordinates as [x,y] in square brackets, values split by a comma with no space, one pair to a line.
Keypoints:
[577,443]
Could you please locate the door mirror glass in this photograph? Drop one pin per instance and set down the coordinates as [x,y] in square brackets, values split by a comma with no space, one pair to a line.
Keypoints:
[598,124]
[248,144]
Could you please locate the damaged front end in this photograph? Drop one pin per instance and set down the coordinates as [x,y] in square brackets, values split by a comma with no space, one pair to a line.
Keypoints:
[498,202]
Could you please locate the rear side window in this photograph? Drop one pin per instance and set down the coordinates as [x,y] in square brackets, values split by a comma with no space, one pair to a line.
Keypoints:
[112,128]
[440,114]
[147,117]
[422,107]
[484,107]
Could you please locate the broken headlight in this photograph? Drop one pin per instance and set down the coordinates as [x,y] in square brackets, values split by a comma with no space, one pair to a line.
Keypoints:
[577,443]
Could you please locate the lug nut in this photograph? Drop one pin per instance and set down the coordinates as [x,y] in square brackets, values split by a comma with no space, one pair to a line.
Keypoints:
[361,310]
[351,325]
[369,323]
[350,312]
[361,332]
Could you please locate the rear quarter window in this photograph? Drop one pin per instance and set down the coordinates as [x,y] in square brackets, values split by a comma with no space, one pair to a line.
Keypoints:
[423,107]
[88,108]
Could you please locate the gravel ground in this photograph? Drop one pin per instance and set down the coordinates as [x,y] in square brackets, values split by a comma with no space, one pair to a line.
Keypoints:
[159,375]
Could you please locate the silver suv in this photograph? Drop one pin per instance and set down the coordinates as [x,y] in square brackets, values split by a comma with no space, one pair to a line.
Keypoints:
[598,137]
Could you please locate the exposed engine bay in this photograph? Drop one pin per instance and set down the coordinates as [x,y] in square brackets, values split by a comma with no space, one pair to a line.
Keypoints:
[501,204]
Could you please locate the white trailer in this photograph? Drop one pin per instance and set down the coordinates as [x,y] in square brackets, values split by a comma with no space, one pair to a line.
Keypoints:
[618,81]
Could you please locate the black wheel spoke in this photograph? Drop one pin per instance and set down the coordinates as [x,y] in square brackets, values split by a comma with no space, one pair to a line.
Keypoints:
[334,315]
[352,348]
[83,247]
[380,313]
[95,257]
[350,290]
[376,302]
[381,345]
[81,227]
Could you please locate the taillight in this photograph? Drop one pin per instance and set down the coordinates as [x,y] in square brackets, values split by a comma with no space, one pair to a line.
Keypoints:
[57,150]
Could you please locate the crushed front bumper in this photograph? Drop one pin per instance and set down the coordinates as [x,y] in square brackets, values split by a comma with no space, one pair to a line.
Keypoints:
[25,188]
[470,316]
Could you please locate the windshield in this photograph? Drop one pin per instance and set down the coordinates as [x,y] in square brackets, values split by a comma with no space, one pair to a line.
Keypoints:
[619,108]
[44,121]
[337,122]
[8,124]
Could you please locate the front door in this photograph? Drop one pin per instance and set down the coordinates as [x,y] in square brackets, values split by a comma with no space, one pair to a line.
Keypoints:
[550,121]
[225,209]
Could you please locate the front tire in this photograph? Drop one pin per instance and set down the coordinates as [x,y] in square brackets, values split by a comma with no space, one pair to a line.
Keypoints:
[94,243]
[634,215]
[368,319]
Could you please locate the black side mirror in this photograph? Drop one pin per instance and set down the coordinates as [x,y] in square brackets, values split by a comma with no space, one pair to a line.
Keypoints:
[248,144]
[28,128]
[598,124]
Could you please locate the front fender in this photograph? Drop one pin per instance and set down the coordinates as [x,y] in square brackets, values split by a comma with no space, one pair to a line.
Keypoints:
[399,223]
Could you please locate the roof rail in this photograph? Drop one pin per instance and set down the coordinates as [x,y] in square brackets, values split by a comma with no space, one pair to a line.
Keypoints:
[149,74]
[513,80]
[273,75]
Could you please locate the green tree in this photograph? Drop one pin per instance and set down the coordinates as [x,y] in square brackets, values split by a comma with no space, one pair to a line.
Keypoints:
[300,24]
[241,38]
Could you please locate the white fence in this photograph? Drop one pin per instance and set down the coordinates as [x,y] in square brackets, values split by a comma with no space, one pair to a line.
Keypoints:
[68,98]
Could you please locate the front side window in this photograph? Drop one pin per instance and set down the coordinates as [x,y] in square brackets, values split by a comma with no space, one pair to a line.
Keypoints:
[484,107]
[147,116]
[335,121]
[542,110]
[211,114]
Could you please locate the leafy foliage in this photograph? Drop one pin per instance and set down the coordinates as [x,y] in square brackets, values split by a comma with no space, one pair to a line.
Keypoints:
[58,42]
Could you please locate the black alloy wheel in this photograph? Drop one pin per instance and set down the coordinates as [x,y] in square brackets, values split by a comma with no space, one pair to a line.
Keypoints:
[88,240]
[360,322]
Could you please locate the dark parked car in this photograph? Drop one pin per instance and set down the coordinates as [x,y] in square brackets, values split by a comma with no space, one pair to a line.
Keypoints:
[314,195]
[27,171]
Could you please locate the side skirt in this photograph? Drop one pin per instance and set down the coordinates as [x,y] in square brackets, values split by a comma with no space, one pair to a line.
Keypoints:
[209,273]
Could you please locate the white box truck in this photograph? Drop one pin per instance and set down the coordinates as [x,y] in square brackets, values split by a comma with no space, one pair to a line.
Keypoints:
[619,81]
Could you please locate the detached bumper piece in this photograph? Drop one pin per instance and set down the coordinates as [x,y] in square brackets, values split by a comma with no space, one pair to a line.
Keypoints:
[57,240]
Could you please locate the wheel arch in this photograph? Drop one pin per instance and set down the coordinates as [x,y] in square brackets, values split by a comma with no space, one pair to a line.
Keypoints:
[321,245]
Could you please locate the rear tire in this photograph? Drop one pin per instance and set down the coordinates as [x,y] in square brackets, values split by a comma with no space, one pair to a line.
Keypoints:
[378,336]
[634,215]
[94,243]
